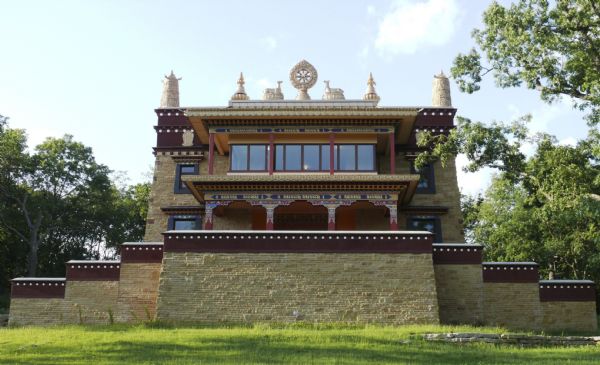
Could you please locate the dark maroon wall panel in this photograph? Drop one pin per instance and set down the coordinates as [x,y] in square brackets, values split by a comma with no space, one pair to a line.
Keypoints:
[93,271]
[142,253]
[567,291]
[457,254]
[314,242]
[38,289]
[510,272]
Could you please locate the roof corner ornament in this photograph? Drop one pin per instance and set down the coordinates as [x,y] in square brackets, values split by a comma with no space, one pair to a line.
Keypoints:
[240,93]
[440,96]
[170,93]
[332,93]
[303,76]
[370,93]
[273,93]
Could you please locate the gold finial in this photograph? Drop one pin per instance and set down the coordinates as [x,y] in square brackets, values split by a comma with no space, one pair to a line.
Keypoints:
[370,93]
[240,93]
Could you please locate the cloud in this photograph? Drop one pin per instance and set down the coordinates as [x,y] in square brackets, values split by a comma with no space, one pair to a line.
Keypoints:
[409,26]
[569,141]
[269,42]
[472,183]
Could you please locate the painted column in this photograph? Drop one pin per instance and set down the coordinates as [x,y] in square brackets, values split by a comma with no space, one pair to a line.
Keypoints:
[392,153]
[331,217]
[270,216]
[211,152]
[208,217]
[271,153]
[393,216]
[331,154]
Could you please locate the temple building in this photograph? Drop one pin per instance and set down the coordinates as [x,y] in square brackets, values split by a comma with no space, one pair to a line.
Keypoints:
[306,208]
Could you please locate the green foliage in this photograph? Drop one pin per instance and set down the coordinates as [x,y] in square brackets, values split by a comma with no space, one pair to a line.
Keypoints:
[553,47]
[303,343]
[57,204]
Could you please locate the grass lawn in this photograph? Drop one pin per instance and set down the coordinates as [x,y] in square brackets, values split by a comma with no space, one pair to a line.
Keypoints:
[265,344]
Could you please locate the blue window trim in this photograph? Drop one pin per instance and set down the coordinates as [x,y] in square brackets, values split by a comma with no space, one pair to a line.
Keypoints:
[172,218]
[430,174]
[177,189]
[437,225]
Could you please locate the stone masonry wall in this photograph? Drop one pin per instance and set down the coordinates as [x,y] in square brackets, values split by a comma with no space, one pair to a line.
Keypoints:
[574,316]
[284,287]
[37,311]
[91,301]
[513,305]
[138,291]
[460,293]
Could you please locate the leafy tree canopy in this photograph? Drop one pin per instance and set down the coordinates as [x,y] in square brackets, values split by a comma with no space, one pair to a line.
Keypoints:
[550,46]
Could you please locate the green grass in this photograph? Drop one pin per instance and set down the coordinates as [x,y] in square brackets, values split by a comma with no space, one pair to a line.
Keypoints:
[266,344]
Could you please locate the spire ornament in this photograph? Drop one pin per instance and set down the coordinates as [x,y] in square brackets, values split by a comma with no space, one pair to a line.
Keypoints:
[303,76]
[370,93]
[273,93]
[441,91]
[170,93]
[240,93]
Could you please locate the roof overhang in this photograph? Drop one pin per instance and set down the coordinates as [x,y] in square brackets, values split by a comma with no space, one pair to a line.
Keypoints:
[210,187]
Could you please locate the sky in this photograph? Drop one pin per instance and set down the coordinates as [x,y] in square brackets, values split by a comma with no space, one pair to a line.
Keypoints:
[94,69]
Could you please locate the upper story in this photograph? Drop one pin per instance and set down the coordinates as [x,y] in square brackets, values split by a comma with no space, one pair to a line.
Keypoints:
[275,136]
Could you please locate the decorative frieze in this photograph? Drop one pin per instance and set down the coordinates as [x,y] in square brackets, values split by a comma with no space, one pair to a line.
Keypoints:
[510,272]
[38,288]
[82,270]
[457,254]
[567,291]
[141,252]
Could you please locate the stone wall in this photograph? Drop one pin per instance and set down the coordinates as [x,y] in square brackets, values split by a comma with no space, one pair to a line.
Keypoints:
[512,305]
[284,287]
[460,293]
[573,316]
[138,291]
[37,311]
[92,302]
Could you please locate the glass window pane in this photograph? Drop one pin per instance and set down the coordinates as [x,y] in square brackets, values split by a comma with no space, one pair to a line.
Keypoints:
[293,157]
[423,225]
[325,157]
[311,158]
[366,156]
[347,157]
[239,158]
[187,169]
[184,224]
[258,157]
[424,179]
[279,157]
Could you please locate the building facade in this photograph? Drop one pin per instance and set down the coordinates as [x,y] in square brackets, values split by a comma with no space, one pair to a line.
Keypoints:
[299,209]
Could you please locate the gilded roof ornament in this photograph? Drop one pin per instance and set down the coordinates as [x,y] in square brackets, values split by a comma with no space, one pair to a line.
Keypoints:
[370,93]
[240,93]
[273,93]
[303,76]
[332,93]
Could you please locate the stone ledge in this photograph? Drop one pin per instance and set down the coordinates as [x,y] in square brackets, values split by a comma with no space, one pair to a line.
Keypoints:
[512,339]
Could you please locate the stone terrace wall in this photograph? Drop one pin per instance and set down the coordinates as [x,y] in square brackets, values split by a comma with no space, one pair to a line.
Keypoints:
[229,277]
[511,295]
[459,283]
[37,301]
[568,305]
[138,284]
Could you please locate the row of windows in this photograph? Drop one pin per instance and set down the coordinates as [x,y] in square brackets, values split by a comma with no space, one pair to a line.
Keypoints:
[304,157]
[420,223]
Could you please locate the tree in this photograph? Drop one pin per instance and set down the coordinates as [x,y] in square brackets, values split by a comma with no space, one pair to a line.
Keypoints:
[553,47]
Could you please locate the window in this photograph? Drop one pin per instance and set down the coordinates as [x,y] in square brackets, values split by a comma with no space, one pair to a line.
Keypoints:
[184,222]
[184,169]
[426,223]
[426,183]
[249,157]
[313,157]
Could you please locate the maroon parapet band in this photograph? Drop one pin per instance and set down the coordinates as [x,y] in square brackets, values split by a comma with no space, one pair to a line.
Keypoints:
[93,270]
[38,288]
[510,272]
[300,242]
[567,291]
[456,254]
[141,252]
